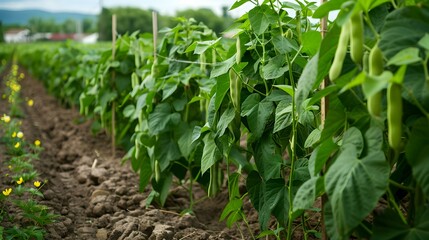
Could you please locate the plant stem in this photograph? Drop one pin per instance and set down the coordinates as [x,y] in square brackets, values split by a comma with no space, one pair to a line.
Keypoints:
[398,185]
[395,206]
[292,154]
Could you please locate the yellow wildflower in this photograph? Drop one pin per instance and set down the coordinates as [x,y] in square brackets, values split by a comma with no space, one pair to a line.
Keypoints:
[37,184]
[5,118]
[20,134]
[20,180]
[37,143]
[21,75]
[17,145]
[7,191]
[10,166]
[14,134]
[30,102]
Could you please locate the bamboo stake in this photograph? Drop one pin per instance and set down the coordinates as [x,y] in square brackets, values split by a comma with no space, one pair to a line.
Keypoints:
[113,78]
[323,111]
[155,33]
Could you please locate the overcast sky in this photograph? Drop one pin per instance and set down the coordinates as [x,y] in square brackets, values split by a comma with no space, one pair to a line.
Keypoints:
[93,6]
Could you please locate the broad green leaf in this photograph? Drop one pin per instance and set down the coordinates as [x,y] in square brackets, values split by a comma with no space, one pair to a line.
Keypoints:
[169,88]
[424,42]
[306,80]
[403,28]
[233,185]
[275,67]
[354,186]
[163,186]
[322,93]
[327,7]
[222,67]
[373,139]
[201,47]
[258,118]
[284,45]
[224,121]
[276,200]
[374,84]
[238,3]
[311,42]
[353,138]
[210,153]
[283,118]
[261,17]
[335,120]
[166,151]
[320,156]
[232,211]
[222,87]
[312,138]
[389,226]
[185,142]
[129,111]
[406,56]
[255,187]
[417,152]
[307,194]
[161,117]
[250,104]
[145,173]
[267,157]
[287,89]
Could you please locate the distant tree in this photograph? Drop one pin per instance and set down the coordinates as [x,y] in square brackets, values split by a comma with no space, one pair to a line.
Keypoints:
[69,26]
[205,15]
[105,25]
[37,24]
[1,32]
[88,25]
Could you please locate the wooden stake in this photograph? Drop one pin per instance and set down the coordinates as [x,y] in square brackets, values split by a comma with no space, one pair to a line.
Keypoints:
[323,111]
[155,33]
[113,78]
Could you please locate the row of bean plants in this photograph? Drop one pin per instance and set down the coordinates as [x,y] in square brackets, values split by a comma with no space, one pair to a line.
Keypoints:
[221,111]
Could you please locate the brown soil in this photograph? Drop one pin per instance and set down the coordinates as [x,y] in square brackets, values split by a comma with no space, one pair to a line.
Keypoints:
[97,197]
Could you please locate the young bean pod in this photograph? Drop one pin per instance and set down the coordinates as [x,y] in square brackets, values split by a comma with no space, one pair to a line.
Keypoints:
[356,37]
[394,115]
[340,53]
[376,67]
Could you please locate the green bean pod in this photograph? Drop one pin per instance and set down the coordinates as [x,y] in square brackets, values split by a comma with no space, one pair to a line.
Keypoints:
[235,89]
[356,37]
[340,53]
[157,169]
[376,67]
[394,115]
[238,47]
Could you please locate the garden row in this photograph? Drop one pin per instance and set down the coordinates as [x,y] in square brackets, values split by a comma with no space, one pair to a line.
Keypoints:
[22,215]
[220,112]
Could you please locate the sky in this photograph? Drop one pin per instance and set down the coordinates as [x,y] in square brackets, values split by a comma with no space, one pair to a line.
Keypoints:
[93,6]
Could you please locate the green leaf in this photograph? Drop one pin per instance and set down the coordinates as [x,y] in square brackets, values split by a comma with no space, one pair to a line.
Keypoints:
[276,201]
[259,117]
[320,155]
[225,120]
[275,67]
[161,117]
[389,226]
[406,56]
[169,88]
[327,7]
[255,188]
[374,84]
[261,17]
[250,104]
[129,111]
[417,152]
[322,93]
[311,41]
[267,157]
[283,118]
[233,211]
[424,42]
[307,194]
[353,139]
[284,45]
[238,3]
[355,185]
[312,138]
[403,28]
[145,173]
[222,67]
[335,119]
[210,153]
[287,89]
[222,87]
[201,47]
[166,151]
[306,80]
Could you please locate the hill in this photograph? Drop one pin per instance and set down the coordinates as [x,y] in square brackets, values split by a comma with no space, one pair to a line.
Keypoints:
[22,16]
